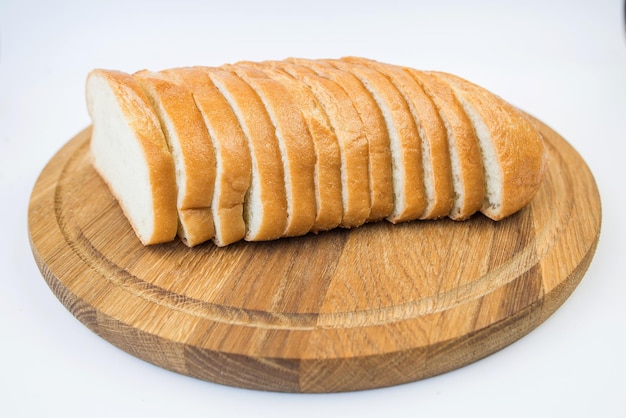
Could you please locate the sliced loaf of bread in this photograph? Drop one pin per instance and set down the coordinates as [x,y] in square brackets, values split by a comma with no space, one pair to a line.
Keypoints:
[264,150]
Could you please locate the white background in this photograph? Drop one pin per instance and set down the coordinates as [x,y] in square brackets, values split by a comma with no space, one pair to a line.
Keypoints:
[562,61]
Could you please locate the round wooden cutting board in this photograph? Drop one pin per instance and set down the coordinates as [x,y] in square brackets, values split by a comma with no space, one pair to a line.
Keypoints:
[344,310]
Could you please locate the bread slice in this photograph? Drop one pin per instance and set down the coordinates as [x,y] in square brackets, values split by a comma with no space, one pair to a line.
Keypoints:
[408,182]
[192,150]
[465,152]
[265,206]
[327,172]
[295,144]
[351,138]
[380,169]
[129,151]
[513,150]
[437,174]
[233,165]
[433,138]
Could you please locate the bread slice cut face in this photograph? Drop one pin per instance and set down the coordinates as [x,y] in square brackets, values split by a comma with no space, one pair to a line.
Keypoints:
[130,153]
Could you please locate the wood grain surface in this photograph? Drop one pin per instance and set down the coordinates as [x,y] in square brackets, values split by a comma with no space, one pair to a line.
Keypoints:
[344,310]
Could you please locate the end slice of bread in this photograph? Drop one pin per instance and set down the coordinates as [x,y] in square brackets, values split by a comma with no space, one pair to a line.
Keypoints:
[129,150]
[513,150]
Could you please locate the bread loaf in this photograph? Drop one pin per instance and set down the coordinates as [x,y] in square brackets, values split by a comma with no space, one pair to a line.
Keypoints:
[264,150]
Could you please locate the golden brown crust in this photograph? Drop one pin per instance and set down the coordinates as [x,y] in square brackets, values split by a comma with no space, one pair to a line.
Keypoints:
[143,121]
[267,167]
[518,145]
[469,186]
[231,151]
[351,138]
[193,153]
[294,139]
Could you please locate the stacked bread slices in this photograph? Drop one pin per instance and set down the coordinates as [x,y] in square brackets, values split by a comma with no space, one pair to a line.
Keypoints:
[263,150]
